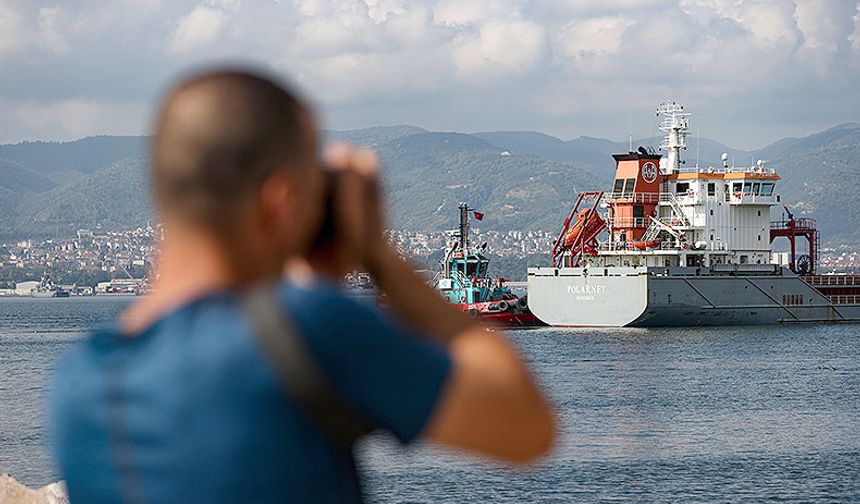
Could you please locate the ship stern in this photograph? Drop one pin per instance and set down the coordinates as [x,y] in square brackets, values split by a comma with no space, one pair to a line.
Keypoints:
[588,297]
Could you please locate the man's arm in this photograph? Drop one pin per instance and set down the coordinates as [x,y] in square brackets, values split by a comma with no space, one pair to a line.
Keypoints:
[490,404]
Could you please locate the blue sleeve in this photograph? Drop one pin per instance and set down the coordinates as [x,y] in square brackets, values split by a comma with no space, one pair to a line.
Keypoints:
[385,371]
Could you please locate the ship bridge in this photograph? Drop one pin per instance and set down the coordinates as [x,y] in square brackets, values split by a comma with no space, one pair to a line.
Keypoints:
[672,215]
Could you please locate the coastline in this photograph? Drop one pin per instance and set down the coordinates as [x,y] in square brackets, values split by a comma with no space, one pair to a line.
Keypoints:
[13,492]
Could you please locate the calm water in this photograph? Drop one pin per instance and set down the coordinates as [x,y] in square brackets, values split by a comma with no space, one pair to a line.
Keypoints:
[705,415]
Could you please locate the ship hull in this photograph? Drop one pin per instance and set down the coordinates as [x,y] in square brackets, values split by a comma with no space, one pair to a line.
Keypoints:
[49,294]
[508,318]
[653,297]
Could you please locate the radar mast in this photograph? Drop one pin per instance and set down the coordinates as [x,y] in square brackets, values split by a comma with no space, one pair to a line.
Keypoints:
[675,123]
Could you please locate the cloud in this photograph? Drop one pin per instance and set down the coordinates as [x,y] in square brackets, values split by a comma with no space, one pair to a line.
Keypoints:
[70,119]
[500,48]
[855,35]
[50,19]
[10,28]
[582,40]
[457,13]
[202,25]
[563,67]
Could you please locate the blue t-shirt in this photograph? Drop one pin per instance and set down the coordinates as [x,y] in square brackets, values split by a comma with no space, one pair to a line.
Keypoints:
[191,410]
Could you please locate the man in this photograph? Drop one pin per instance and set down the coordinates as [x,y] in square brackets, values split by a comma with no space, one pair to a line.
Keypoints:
[178,403]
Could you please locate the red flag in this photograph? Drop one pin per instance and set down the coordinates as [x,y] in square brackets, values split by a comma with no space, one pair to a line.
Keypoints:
[479,216]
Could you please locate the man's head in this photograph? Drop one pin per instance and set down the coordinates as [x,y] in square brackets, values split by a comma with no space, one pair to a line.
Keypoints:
[235,156]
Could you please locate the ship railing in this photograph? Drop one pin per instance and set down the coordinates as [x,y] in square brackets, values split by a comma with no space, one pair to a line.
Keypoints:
[751,198]
[456,276]
[728,169]
[802,224]
[628,222]
[844,299]
[688,197]
[462,279]
[832,280]
[634,197]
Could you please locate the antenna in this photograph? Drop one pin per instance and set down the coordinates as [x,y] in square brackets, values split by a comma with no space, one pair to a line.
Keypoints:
[630,131]
[698,135]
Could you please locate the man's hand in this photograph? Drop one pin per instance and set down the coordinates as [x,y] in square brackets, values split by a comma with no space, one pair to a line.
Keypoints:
[357,206]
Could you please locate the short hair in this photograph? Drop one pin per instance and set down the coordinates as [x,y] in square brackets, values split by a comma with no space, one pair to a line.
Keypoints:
[218,136]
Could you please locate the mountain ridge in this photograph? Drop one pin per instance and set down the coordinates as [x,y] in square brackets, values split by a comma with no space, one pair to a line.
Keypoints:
[523,179]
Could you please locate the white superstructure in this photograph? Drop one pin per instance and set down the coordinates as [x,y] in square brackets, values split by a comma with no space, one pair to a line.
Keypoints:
[679,216]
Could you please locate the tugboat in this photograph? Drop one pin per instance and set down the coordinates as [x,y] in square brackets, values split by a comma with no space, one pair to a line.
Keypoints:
[465,282]
[47,289]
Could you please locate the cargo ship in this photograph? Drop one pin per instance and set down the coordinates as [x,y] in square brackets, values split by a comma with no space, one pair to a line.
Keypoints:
[672,245]
[464,280]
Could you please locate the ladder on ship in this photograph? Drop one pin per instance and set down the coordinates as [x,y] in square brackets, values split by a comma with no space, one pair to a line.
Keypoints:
[653,231]
[677,210]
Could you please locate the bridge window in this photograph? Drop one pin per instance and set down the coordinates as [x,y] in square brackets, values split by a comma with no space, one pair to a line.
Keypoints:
[756,188]
[628,187]
[747,188]
[712,189]
[728,193]
[681,187]
[471,268]
[767,189]
[619,186]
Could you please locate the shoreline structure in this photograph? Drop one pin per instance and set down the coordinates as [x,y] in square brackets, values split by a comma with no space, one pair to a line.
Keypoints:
[13,492]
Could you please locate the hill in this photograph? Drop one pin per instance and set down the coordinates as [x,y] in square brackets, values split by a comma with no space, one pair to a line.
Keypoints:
[818,171]
[428,174]
[48,187]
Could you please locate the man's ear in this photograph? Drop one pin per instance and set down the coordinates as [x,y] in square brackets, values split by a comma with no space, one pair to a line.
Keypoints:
[277,199]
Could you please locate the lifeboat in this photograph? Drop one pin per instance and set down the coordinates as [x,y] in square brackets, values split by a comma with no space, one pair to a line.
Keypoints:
[642,245]
[584,227]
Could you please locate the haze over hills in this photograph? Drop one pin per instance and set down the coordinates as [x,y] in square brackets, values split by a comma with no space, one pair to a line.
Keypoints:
[49,188]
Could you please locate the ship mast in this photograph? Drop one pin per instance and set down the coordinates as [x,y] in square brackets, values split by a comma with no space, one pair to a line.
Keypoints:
[674,122]
[464,228]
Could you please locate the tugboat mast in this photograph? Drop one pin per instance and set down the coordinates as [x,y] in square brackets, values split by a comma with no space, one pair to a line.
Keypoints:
[464,228]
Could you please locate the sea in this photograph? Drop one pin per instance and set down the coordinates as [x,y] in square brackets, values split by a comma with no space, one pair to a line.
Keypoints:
[730,414]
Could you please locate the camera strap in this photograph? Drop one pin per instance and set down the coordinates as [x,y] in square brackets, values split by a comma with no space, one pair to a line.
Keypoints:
[299,375]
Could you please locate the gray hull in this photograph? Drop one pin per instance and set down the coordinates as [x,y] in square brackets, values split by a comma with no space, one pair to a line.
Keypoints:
[648,297]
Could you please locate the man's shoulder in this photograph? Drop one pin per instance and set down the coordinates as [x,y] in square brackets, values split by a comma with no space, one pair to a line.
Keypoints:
[324,303]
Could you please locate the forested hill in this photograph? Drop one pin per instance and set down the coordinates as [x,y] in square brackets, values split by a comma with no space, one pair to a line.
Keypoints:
[521,180]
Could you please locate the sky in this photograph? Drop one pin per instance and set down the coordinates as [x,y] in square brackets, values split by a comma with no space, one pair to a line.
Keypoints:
[750,71]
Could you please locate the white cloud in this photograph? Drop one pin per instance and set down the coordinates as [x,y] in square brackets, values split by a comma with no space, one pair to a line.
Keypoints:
[459,13]
[379,10]
[772,21]
[10,28]
[202,25]
[584,40]
[70,119]
[855,35]
[500,48]
[766,20]
[562,66]
[50,20]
